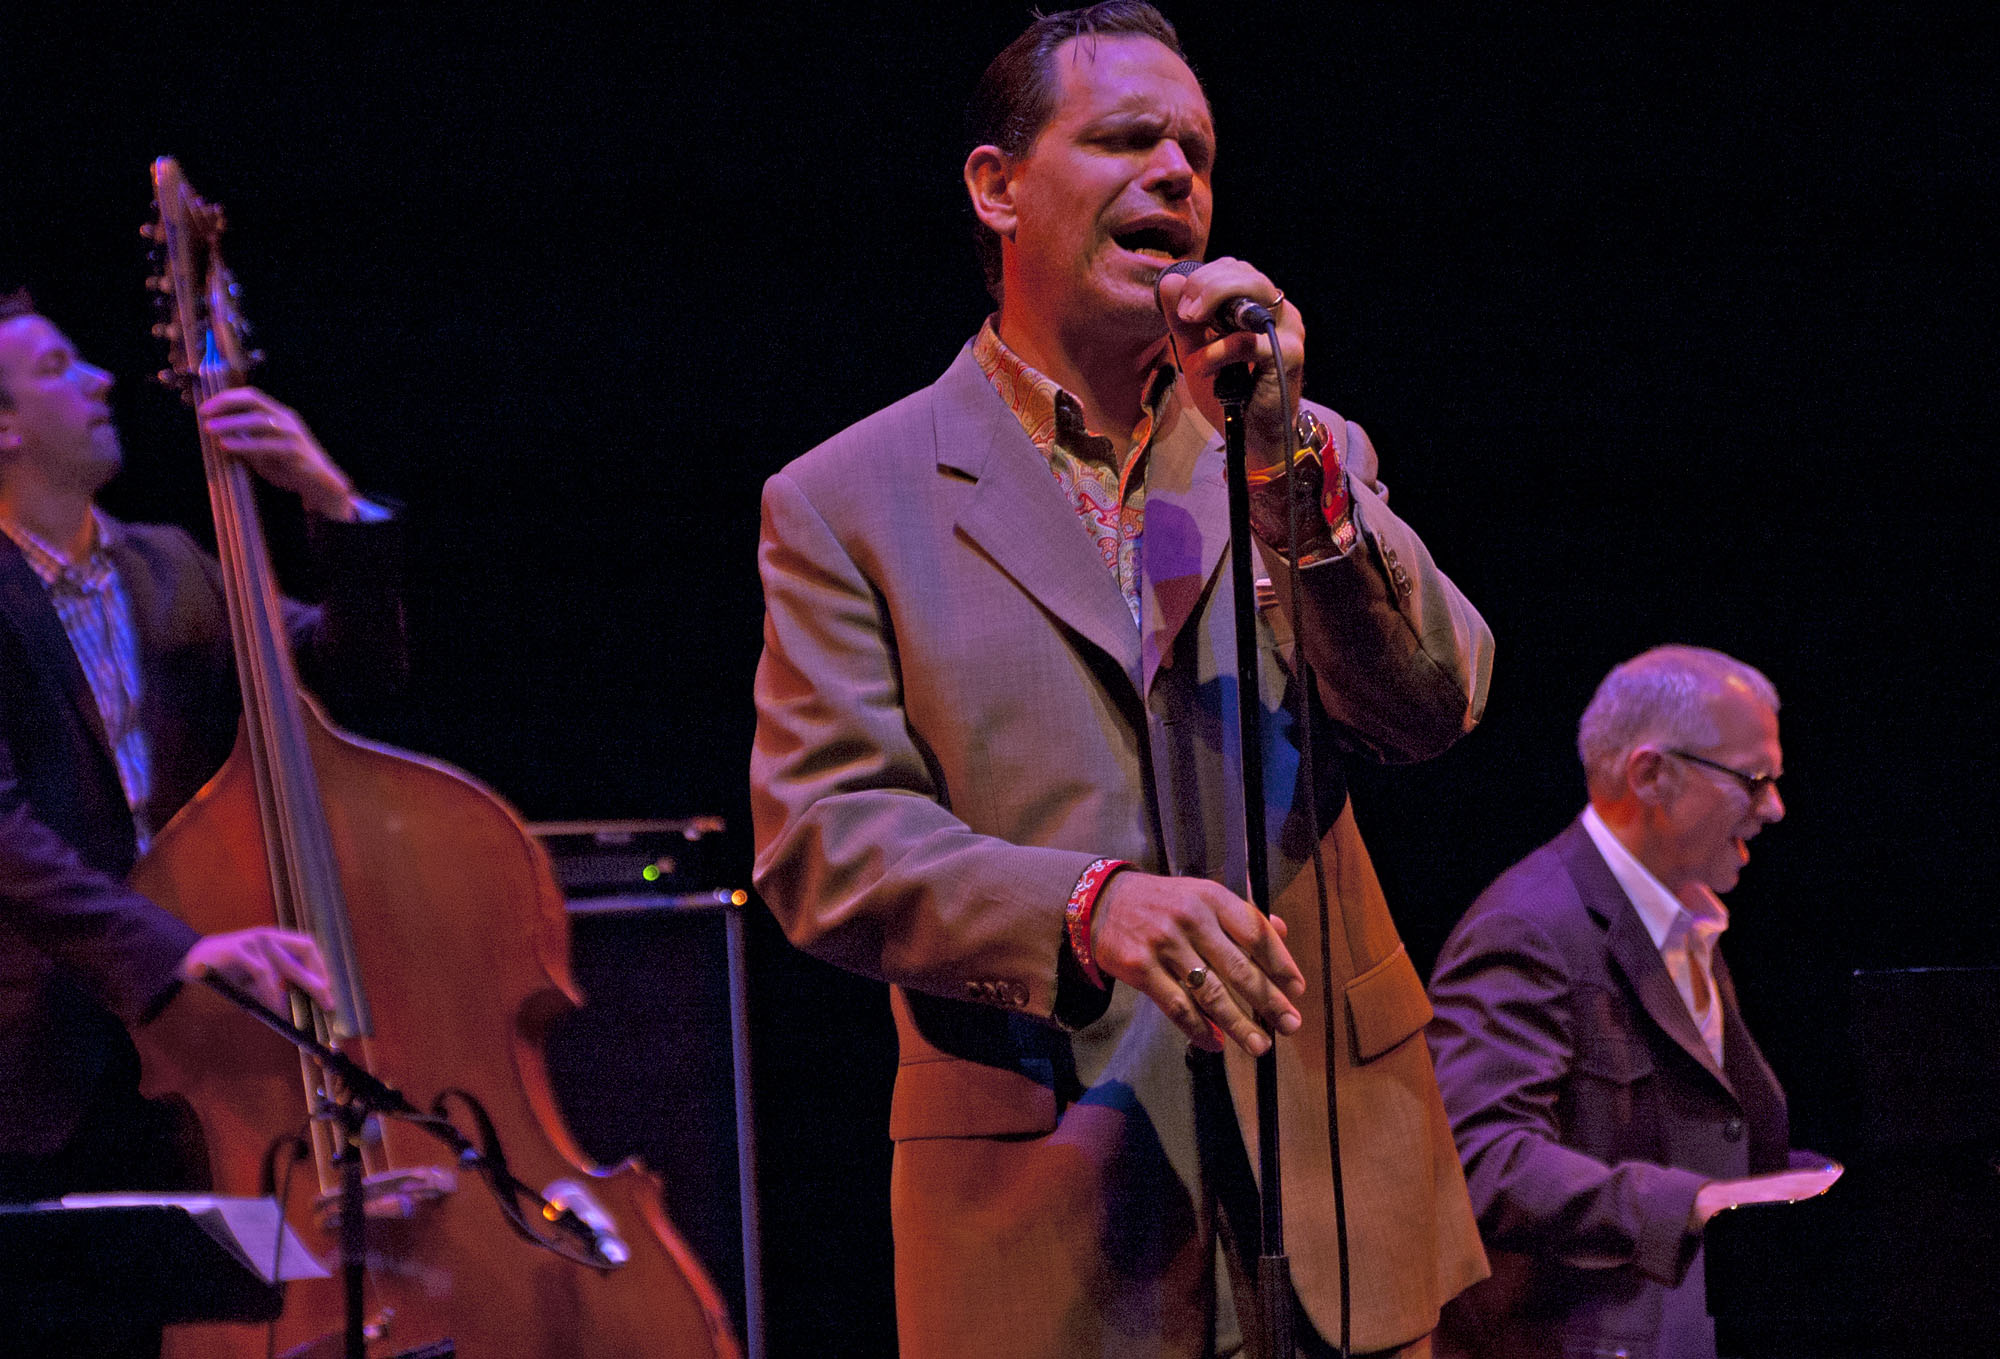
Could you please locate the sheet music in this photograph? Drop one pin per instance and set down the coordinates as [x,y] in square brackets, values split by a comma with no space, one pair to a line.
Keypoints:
[252,1230]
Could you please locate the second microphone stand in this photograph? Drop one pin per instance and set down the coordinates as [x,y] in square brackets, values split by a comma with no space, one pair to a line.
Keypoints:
[362,1096]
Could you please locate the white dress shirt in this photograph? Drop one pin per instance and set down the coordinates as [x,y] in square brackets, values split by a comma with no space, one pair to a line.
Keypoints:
[1684,928]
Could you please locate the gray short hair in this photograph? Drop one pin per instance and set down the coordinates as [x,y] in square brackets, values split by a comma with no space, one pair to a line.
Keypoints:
[1659,695]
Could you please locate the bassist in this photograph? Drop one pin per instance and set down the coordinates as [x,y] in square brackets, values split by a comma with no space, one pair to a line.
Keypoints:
[118,699]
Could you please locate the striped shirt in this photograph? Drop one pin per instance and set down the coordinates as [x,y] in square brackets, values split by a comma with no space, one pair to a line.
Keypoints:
[90,601]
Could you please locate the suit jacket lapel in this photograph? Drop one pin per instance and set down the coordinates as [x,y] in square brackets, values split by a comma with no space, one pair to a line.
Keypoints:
[1749,1071]
[1017,517]
[1187,527]
[1634,952]
[24,602]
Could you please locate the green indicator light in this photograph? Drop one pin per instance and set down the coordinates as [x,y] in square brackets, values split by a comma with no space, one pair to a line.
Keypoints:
[651,872]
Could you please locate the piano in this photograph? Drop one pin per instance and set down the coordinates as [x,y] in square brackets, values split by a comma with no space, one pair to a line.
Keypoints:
[1902,1256]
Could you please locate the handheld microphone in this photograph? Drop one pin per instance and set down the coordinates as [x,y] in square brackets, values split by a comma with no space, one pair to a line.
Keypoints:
[1235,313]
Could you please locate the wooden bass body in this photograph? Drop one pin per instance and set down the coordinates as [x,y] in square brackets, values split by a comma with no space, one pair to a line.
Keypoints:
[461,940]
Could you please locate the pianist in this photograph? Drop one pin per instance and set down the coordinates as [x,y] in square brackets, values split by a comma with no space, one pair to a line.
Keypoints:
[1603,1091]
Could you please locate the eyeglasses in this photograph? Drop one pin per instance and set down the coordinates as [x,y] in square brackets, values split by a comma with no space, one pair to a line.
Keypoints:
[1753,784]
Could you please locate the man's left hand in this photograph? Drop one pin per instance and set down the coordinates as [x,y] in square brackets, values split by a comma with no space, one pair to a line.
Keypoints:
[276,444]
[1780,1186]
[263,961]
[1190,303]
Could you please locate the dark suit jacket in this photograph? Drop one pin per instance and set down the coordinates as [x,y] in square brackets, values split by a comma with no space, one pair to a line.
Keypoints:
[81,955]
[1588,1112]
[956,713]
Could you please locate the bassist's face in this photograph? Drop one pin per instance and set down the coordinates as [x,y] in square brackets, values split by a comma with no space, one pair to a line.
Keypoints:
[55,412]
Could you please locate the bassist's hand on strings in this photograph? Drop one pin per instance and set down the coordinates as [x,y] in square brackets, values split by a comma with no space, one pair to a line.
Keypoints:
[263,961]
[274,442]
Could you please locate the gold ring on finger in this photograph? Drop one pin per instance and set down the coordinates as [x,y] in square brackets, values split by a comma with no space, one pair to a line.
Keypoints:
[1195,977]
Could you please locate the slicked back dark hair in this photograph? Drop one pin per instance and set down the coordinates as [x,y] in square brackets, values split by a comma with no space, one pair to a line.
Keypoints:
[16,303]
[1016,97]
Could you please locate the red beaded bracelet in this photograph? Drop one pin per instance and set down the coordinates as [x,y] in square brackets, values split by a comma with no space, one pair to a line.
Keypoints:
[1082,905]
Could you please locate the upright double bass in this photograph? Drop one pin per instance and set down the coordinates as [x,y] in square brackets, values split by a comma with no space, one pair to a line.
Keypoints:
[446,940]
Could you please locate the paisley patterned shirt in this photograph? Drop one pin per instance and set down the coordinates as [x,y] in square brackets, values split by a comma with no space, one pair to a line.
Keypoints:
[1109,498]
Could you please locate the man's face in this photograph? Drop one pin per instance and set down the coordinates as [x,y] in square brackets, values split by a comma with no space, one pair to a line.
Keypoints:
[1115,188]
[59,421]
[1709,816]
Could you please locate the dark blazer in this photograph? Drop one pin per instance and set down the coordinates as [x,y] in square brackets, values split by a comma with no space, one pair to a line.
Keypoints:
[1588,1112]
[81,955]
[956,713]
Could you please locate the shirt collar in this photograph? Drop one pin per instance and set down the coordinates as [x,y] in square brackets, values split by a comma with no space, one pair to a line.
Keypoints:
[1662,913]
[1046,411]
[91,570]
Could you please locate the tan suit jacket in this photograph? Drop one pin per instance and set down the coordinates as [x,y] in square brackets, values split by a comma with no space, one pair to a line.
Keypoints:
[956,714]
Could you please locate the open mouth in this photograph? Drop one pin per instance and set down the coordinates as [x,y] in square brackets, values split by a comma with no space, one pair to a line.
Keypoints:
[1165,241]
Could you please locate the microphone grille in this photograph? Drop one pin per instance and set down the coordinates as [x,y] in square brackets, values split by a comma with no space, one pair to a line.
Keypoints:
[1178,267]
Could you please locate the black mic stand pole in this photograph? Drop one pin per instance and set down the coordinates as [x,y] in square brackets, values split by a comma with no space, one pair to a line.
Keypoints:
[350,1117]
[366,1095]
[369,1096]
[1233,388]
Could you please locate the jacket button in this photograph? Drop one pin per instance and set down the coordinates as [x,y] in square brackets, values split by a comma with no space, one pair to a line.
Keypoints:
[1733,1130]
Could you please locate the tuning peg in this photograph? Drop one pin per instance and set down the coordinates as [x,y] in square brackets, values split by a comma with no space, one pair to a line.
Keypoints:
[166,330]
[152,231]
[160,283]
[167,377]
[254,359]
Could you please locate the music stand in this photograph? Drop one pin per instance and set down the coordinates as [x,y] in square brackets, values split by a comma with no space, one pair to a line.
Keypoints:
[128,1264]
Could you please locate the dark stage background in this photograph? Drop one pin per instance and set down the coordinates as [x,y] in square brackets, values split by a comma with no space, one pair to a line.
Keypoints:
[1674,325]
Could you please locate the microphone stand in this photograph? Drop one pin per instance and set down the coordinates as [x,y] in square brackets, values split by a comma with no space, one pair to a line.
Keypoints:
[351,1116]
[366,1096]
[1233,388]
